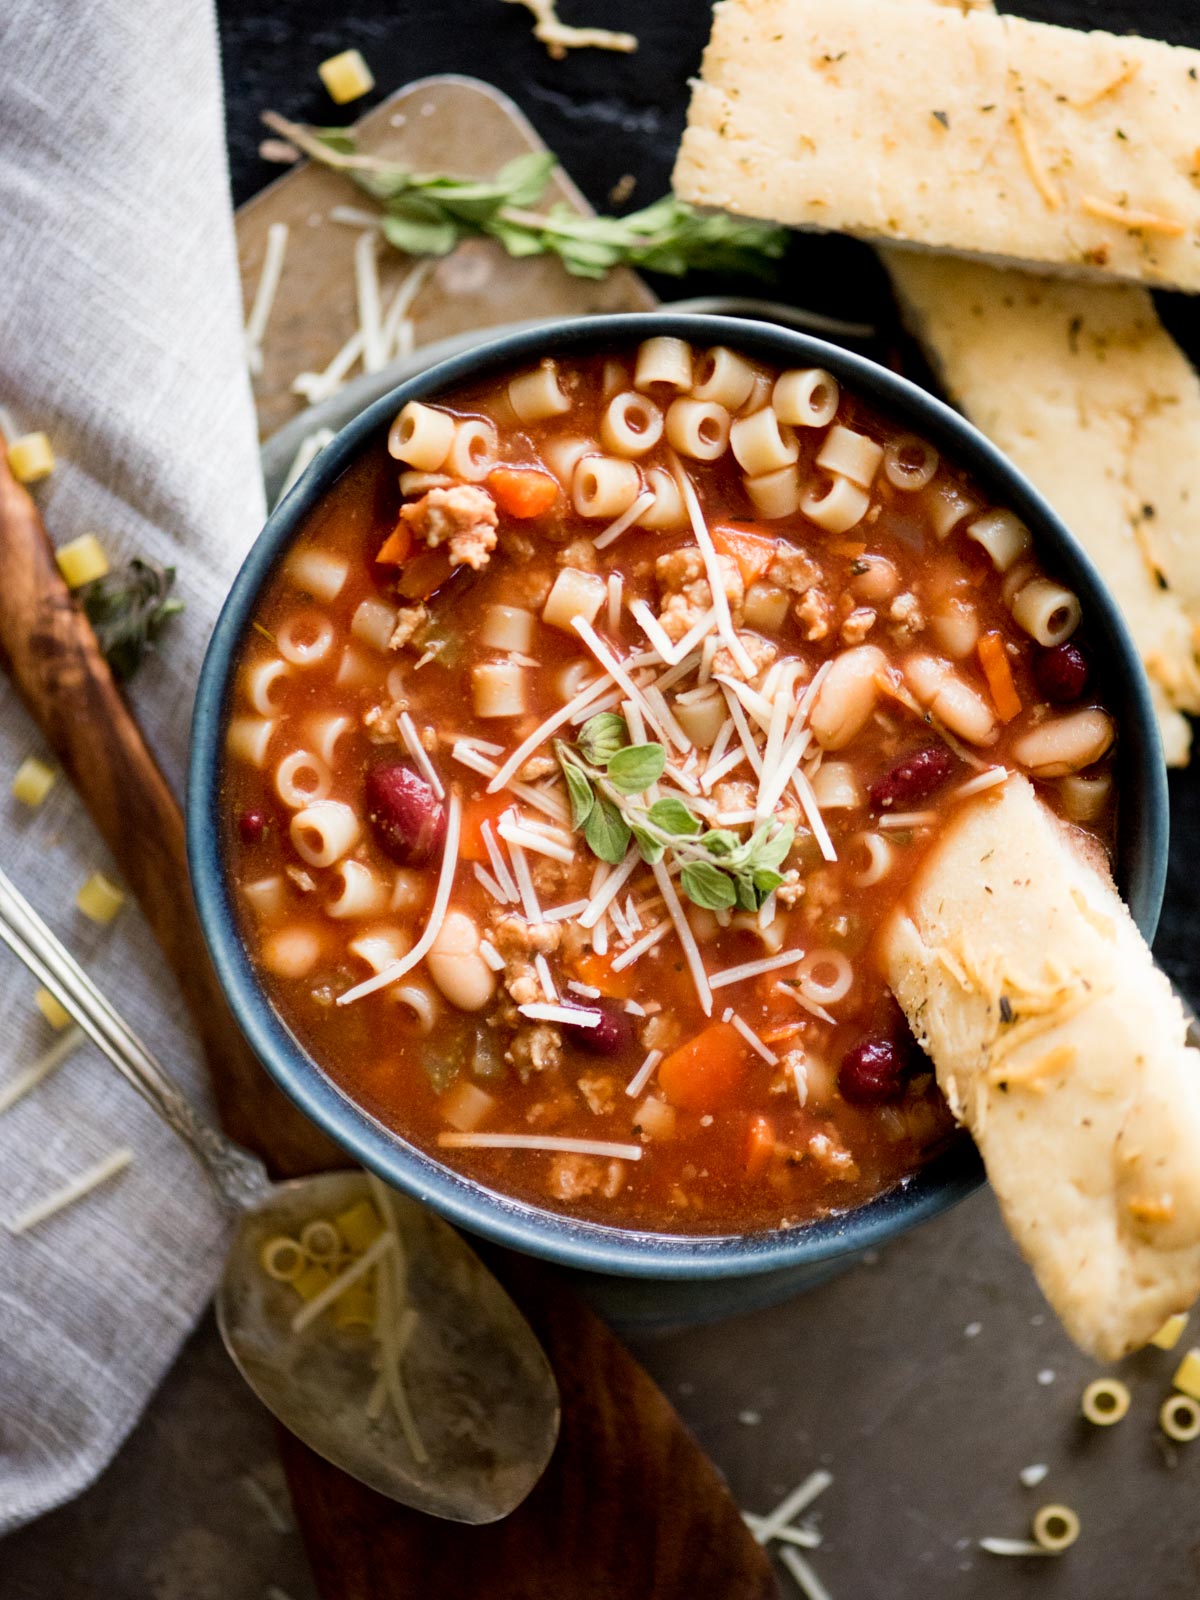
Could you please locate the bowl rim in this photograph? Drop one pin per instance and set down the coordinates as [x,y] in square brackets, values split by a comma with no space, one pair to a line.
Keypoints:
[522,1225]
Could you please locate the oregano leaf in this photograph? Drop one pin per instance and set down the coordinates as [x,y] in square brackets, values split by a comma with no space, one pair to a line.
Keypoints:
[606,831]
[601,737]
[707,886]
[672,816]
[634,768]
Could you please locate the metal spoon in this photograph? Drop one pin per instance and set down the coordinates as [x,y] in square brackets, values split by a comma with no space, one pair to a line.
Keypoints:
[484,1403]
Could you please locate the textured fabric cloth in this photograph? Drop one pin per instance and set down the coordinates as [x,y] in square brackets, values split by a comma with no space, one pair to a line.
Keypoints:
[120,337]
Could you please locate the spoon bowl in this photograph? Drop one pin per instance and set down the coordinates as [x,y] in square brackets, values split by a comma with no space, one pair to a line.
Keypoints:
[483,1397]
[446,1402]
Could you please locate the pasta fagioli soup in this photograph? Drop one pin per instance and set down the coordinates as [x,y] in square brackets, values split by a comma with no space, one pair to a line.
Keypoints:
[581,745]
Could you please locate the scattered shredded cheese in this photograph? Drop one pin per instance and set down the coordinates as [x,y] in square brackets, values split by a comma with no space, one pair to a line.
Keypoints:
[524,877]
[638,949]
[751,1038]
[982,781]
[38,1071]
[490,954]
[616,591]
[412,742]
[503,876]
[810,1585]
[483,876]
[274,253]
[72,1192]
[558,37]
[753,969]
[608,888]
[1127,217]
[545,978]
[687,938]
[542,732]
[370,305]
[625,521]
[792,1504]
[538,1141]
[812,813]
[437,915]
[337,1287]
[712,566]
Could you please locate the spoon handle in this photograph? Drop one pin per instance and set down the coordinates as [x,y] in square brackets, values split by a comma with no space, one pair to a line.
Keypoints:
[238,1177]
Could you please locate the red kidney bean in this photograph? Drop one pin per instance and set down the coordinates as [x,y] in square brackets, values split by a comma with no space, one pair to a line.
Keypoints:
[406,816]
[873,1072]
[1061,673]
[610,1035]
[912,779]
[252,825]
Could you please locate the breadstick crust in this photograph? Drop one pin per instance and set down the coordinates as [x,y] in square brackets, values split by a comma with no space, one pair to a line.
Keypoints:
[1084,390]
[1061,1047]
[1015,141]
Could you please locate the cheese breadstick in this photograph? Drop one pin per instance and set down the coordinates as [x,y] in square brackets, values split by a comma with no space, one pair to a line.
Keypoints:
[1061,1047]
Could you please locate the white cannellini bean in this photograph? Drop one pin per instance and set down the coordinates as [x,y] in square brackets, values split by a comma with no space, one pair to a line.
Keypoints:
[456,965]
[1062,745]
[954,703]
[847,697]
[954,623]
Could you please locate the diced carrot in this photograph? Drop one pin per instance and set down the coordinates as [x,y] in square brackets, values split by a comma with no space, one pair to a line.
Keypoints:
[597,971]
[424,574]
[394,550]
[475,812]
[759,1146]
[993,658]
[789,1030]
[851,548]
[753,551]
[706,1071]
[522,491]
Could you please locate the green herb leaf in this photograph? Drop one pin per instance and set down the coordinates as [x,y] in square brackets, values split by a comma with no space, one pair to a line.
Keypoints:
[428,213]
[606,831]
[652,849]
[580,792]
[772,851]
[128,609]
[765,879]
[634,768]
[747,895]
[721,842]
[601,737]
[707,886]
[672,816]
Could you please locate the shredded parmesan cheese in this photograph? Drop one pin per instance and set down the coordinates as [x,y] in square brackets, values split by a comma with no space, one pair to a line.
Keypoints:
[38,1071]
[72,1192]
[541,733]
[646,942]
[712,566]
[558,37]
[412,741]
[337,1287]
[1031,156]
[539,1141]
[437,915]
[810,1585]
[370,308]
[751,1038]
[264,294]
[625,521]
[687,939]
[1128,217]
[754,969]
[643,1074]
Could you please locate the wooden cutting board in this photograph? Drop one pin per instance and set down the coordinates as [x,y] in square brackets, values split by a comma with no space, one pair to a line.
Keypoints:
[629,1506]
[446,124]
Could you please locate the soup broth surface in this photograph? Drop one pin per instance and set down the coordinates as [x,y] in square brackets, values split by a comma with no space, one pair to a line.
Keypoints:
[813,666]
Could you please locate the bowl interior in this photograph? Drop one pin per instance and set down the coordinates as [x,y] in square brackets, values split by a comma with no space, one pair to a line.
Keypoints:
[1140,865]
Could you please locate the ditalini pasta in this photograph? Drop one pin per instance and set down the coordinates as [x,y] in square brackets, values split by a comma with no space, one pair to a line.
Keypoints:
[570,780]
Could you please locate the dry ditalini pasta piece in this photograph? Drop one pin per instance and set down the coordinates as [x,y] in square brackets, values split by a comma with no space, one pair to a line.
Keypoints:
[1083,388]
[991,135]
[1061,1047]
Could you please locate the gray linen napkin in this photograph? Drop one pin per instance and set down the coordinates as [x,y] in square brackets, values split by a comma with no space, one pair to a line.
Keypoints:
[120,336]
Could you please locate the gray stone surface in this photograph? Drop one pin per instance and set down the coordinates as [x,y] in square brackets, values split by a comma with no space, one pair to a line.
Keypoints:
[924,1381]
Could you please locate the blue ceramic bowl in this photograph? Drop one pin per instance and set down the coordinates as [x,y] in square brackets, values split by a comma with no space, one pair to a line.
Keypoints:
[688,1276]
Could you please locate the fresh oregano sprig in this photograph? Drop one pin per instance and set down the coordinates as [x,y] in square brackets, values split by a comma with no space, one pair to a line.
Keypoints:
[128,608]
[429,213]
[604,774]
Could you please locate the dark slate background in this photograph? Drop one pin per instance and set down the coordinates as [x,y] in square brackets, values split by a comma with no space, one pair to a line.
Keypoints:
[925,1379]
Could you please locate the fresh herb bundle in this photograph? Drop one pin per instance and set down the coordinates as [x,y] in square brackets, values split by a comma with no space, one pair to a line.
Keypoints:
[603,774]
[128,608]
[428,214]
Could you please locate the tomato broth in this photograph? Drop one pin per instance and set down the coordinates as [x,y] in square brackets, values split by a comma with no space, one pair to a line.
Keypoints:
[582,743]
